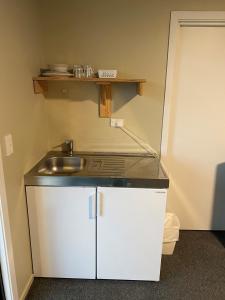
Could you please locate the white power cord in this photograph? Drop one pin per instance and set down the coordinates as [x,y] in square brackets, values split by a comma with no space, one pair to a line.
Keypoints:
[139,141]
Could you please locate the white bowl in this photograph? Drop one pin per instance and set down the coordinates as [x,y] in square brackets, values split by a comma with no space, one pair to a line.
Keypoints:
[58,67]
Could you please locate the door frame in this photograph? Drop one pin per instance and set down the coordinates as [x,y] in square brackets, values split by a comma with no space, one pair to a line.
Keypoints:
[179,19]
[6,248]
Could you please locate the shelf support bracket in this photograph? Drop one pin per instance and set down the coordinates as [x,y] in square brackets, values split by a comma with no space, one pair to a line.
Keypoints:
[40,86]
[140,88]
[105,102]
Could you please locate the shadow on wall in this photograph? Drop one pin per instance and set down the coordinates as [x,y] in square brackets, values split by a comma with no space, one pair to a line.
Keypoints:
[121,94]
[86,91]
[70,91]
[218,217]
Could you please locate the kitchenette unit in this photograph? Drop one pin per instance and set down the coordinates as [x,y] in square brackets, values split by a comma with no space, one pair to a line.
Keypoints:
[97,215]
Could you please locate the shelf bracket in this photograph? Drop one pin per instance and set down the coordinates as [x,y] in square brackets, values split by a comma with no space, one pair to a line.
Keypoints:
[105,102]
[140,88]
[40,86]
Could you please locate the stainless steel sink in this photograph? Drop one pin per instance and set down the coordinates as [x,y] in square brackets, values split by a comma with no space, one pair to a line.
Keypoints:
[62,165]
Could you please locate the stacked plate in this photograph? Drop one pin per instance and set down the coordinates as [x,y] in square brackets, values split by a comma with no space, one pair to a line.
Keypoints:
[57,70]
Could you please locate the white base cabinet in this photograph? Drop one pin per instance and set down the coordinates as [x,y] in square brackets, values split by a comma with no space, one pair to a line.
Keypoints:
[63,230]
[105,233]
[130,233]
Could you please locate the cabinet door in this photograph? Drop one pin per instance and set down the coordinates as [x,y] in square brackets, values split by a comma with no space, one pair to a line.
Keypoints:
[62,228]
[129,233]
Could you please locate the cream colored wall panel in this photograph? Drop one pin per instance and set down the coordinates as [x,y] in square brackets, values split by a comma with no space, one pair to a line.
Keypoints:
[196,147]
[23,115]
[133,38]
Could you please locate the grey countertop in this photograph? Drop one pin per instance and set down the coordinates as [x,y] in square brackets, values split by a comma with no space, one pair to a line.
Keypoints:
[105,169]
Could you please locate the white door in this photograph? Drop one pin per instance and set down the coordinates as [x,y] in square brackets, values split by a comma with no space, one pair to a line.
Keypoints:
[195,153]
[62,228]
[129,233]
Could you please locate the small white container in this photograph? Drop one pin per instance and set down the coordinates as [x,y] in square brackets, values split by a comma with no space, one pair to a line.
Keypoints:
[171,233]
[107,73]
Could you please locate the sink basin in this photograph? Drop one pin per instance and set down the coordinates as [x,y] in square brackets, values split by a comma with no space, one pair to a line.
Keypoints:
[62,165]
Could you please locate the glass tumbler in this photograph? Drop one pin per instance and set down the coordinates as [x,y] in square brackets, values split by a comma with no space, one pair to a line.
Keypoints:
[78,71]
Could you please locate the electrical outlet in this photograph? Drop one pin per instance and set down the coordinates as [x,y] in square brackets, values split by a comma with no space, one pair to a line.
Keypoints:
[8,145]
[117,122]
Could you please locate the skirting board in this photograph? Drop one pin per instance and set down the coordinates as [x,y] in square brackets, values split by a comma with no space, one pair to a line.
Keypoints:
[27,288]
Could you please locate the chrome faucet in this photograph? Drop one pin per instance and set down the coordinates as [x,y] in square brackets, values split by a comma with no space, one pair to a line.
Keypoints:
[67,147]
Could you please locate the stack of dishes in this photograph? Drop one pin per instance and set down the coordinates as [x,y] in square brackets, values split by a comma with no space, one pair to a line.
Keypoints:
[57,70]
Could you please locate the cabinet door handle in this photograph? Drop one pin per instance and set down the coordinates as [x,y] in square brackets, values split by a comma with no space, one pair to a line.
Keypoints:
[92,207]
[100,204]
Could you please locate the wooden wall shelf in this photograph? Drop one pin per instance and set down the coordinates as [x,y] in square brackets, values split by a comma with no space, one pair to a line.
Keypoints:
[105,102]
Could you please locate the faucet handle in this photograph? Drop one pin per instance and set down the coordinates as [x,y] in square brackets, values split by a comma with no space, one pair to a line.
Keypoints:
[67,147]
[68,141]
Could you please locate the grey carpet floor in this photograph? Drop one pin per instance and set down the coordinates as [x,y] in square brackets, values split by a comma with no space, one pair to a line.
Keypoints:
[195,271]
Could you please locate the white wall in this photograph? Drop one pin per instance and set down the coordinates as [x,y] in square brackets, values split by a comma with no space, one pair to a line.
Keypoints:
[129,35]
[22,114]
[196,147]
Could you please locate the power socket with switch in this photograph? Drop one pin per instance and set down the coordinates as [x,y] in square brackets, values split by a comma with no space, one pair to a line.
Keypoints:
[117,123]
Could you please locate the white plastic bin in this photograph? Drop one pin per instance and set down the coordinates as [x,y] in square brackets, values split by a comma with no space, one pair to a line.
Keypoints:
[171,233]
